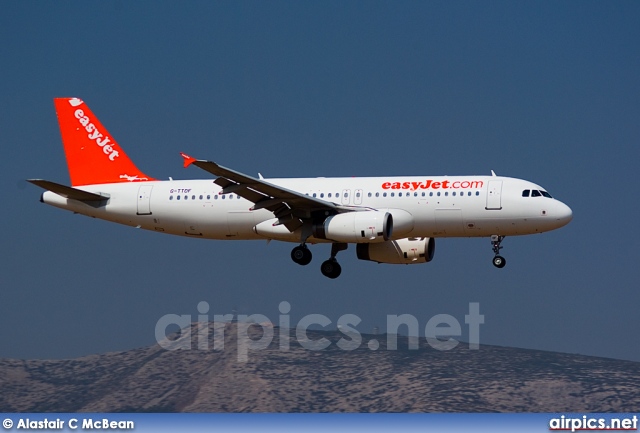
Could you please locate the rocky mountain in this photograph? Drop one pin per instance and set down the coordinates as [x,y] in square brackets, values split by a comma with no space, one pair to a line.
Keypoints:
[209,378]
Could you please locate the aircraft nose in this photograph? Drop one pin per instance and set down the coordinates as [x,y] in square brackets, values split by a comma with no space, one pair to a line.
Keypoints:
[563,214]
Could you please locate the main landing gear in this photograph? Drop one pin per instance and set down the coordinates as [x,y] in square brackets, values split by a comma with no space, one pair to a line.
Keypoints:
[329,268]
[301,255]
[498,260]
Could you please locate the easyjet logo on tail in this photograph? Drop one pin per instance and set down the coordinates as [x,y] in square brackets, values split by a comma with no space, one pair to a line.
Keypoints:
[445,184]
[93,154]
[94,134]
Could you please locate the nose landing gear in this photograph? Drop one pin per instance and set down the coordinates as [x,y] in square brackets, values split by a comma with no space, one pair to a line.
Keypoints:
[498,260]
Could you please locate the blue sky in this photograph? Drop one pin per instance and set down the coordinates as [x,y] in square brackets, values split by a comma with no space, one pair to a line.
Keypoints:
[545,91]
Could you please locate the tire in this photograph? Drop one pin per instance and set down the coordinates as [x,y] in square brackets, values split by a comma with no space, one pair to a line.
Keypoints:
[331,269]
[301,255]
[499,262]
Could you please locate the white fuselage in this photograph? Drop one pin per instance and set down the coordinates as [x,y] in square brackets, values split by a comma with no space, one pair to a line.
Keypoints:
[444,206]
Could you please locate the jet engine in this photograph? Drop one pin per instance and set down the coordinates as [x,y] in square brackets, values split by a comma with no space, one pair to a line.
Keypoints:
[361,227]
[405,251]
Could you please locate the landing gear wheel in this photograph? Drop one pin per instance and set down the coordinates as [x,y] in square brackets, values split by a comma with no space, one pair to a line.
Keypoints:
[301,255]
[331,268]
[499,261]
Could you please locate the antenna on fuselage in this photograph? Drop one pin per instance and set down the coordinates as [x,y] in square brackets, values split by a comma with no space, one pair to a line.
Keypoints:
[493,173]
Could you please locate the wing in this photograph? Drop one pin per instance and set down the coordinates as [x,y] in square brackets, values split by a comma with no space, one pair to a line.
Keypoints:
[290,207]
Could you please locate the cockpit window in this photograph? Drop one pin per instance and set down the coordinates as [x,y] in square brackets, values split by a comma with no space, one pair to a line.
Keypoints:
[546,194]
[525,193]
[535,193]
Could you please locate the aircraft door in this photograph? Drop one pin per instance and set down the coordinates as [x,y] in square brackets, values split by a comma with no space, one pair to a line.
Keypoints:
[346,196]
[144,199]
[357,199]
[494,192]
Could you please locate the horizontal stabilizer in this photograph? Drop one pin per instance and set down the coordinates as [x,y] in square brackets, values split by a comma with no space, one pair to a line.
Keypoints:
[67,191]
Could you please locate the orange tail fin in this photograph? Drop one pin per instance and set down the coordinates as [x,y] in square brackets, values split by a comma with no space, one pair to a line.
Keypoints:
[93,156]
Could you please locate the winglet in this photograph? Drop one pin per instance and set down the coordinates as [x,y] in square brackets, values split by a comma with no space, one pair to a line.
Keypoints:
[188,160]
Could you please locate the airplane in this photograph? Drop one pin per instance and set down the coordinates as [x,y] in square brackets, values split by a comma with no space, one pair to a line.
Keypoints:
[392,220]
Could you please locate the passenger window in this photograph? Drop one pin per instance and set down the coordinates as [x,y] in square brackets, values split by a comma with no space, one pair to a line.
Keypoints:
[438,193]
[393,194]
[357,194]
[525,193]
[424,194]
[399,194]
[415,194]
[431,194]
[469,193]
[453,194]
[186,197]
[208,197]
[321,195]
[535,193]
[200,197]
[329,195]
[224,196]
[177,197]
[314,194]
[384,194]
[215,197]
[477,192]
[377,194]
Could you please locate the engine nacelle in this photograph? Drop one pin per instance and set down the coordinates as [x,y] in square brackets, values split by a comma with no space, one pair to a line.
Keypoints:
[360,227]
[405,251]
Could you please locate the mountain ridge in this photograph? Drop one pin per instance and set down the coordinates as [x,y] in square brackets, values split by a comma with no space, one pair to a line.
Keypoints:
[215,379]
